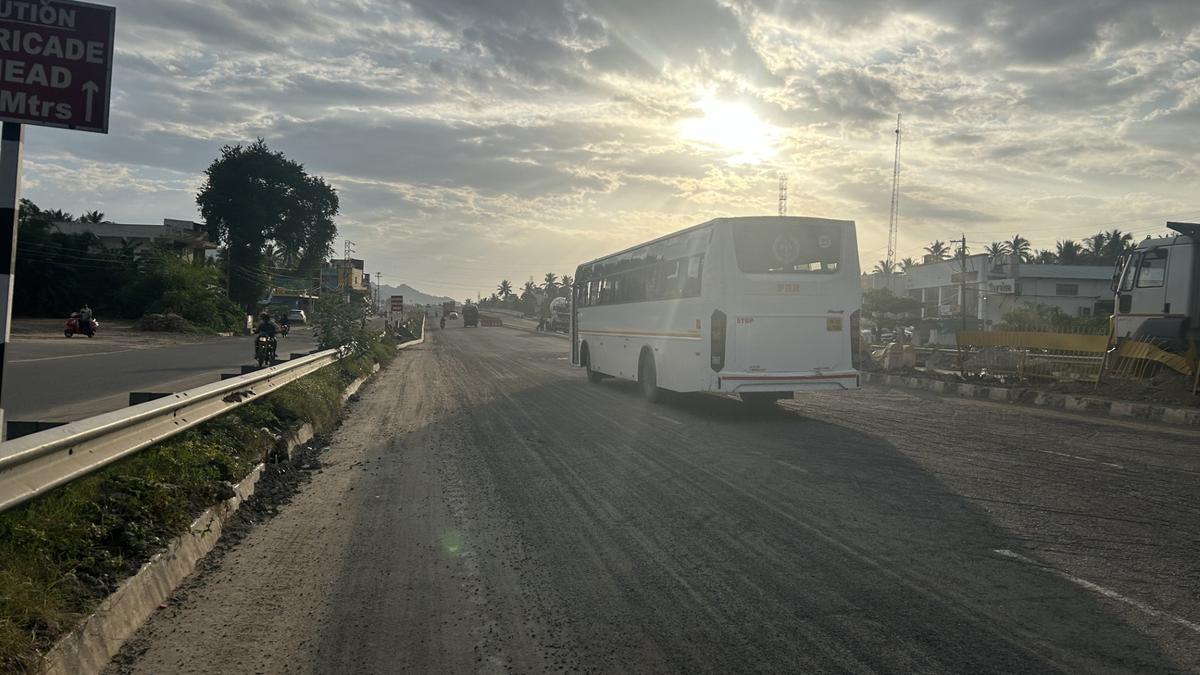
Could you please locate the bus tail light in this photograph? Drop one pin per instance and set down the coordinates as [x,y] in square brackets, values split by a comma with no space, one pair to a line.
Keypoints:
[855,340]
[717,343]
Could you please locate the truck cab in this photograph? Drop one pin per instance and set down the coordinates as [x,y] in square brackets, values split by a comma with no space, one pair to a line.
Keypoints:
[1157,287]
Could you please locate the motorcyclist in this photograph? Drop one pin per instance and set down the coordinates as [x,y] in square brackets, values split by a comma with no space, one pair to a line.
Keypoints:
[267,327]
[84,324]
[284,325]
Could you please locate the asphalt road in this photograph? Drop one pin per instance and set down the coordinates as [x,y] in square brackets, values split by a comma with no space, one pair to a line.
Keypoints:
[62,380]
[485,509]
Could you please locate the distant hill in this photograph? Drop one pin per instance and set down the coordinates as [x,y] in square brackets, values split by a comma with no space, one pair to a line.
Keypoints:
[412,296]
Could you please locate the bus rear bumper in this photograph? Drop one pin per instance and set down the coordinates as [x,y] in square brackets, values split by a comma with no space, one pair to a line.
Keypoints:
[738,383]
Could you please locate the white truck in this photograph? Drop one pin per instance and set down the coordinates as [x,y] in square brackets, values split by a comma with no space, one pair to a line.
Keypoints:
[560,315]
[1157,288]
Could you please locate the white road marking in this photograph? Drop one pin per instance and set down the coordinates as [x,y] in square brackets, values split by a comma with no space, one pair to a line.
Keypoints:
[1082,459]
[71,356]
[792,466]
[1095,588]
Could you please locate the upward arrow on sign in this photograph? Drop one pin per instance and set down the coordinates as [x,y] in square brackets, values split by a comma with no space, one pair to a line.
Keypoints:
[90,88]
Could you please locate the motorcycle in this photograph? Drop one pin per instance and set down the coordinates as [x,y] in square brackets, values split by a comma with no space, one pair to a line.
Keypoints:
[73,326]
[283,329]
[442,323]
[264,350]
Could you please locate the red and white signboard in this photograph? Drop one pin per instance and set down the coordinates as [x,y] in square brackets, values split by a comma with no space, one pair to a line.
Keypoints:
[397,303]
[56,63]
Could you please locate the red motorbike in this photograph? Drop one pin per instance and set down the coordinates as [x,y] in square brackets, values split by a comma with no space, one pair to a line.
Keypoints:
[73,326]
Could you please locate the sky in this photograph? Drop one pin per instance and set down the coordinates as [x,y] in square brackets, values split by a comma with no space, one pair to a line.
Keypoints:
[479,140]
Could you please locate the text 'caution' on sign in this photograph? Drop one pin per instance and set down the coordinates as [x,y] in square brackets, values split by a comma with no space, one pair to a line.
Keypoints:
[56,63]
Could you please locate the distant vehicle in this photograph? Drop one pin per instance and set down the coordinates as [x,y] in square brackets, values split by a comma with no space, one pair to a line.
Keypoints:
[448,309]
[297,316]
[560,315]
[1157,288]
[759,307]
[264,350]
[470,316]
[74,327]
[454,316]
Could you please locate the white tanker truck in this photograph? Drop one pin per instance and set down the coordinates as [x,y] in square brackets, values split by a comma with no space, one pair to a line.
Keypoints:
[1157,287]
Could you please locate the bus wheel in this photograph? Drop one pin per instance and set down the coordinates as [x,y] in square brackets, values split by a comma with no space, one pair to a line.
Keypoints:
[648,378]
[592,375]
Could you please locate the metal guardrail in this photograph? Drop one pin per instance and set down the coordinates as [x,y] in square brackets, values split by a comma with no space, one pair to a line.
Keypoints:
[35,464]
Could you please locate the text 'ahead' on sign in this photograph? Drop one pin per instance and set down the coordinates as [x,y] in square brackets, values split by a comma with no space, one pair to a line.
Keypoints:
[56,63]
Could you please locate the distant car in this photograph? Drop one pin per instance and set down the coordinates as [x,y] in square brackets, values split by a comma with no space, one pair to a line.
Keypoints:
[297,316]
[453,315]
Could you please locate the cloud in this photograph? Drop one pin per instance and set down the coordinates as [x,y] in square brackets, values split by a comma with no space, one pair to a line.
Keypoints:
[473,139]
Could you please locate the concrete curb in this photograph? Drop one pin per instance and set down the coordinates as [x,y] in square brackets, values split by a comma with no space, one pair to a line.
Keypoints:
[1069,402]
[91,645]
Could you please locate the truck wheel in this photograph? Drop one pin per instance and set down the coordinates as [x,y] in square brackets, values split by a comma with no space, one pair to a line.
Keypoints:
[648,378]
[592,375]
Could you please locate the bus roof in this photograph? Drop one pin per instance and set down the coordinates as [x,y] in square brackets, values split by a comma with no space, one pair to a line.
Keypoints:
[738,220]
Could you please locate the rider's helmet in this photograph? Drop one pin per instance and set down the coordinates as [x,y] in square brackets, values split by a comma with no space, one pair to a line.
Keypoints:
[265,316]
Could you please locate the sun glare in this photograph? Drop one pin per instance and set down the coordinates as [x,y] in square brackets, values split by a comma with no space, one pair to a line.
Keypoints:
[733,128]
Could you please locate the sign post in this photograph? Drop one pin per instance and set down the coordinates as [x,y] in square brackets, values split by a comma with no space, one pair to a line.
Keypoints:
[55,71]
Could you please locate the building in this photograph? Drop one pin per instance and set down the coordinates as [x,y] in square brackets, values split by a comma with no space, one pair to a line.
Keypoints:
[343,274]
[184,237]
[995,286]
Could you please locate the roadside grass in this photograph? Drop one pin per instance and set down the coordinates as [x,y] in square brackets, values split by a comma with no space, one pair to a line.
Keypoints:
[62,554]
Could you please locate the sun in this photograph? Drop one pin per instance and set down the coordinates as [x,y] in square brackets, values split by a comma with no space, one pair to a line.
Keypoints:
[732,128]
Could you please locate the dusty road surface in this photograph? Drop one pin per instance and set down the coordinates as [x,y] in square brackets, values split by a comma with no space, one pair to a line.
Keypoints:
[485,509]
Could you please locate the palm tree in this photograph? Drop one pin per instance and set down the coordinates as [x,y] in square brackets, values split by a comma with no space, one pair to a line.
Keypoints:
[1044,257]
[938,250]
[92,217]
[504,289]
[1116,244]
[908,264]
[1093,246]
[529,290]
[886,267]
[1019,246]
[566,284]
[994,249]
[1069,251]
[551,283]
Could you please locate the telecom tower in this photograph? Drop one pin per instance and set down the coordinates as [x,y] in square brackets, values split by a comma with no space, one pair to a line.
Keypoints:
[894,220]
[782,194]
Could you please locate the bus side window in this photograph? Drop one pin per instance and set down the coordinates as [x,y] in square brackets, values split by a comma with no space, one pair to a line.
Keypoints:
[695,269]
[1153,270]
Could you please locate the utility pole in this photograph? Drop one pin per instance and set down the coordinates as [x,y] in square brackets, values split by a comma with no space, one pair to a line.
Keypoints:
[12,148]
[894,218]
[962,277]
[782,194]
[378,291]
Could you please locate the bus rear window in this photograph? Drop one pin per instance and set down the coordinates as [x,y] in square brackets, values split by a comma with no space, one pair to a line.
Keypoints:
[787,248]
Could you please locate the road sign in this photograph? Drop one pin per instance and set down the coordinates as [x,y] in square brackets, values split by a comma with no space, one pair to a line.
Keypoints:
[397,302]
[56,63]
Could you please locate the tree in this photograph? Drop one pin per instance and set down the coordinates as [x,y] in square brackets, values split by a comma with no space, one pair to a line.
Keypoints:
[529,290]
[252,197]
[1044,257]
[1094,247]
[908,264]
[1116,244]
[1068,251]
[888,310]
[1018,246]
[505,289]
[995,249]
[568,282]
[885,267]
[938,250]
[92,217]
[550,284]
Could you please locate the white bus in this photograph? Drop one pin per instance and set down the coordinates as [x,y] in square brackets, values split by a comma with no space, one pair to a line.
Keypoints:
[759,307]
